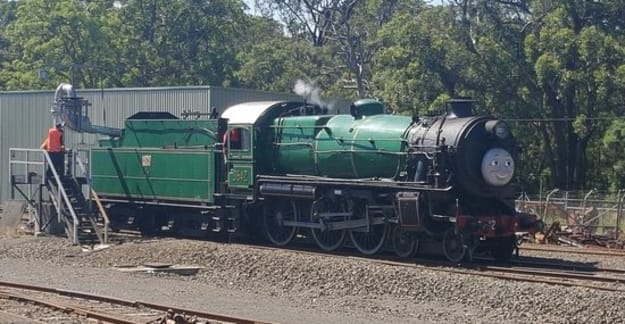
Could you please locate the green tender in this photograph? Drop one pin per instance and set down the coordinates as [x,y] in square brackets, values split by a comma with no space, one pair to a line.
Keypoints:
[159,160]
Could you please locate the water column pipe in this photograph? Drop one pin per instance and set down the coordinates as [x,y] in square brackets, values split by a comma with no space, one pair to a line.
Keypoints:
[64,90]
[68,109]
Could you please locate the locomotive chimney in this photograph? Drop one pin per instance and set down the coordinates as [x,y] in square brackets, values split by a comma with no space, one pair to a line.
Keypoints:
[461,107]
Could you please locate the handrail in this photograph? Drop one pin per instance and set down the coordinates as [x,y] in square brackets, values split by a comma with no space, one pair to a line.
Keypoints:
[27,163]
[61,191]
[103,213]
[95,196]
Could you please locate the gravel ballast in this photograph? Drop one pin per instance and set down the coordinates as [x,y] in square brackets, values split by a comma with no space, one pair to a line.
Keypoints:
[291,287]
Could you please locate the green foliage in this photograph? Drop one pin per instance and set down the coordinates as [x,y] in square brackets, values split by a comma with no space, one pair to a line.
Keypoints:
[179,42]
[414,66]
[137,43]
[62,38]
[614,151]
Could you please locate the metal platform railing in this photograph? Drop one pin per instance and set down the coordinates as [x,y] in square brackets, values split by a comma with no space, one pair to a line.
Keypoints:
[29,178]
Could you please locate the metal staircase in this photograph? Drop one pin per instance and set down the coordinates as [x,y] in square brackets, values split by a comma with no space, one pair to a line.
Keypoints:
[66,201]
[80,221]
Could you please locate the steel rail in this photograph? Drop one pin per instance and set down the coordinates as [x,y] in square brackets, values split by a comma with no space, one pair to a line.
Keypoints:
[67,308]
[540,272]
[577,251]
[133,303]
[524,277]
[566,266]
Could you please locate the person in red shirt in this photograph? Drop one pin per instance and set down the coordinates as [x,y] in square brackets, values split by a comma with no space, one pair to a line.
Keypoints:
[54,145]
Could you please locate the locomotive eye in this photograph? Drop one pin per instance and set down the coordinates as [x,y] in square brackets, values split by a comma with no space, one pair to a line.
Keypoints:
[497,167]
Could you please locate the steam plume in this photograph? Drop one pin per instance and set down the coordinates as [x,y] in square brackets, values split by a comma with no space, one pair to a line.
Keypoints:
[311,93]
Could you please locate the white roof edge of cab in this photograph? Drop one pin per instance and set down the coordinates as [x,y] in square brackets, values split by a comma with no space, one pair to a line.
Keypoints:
[247,112]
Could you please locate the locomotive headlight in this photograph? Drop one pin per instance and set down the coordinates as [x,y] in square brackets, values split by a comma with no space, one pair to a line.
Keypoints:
[498,128]
[497,167]
[502,131]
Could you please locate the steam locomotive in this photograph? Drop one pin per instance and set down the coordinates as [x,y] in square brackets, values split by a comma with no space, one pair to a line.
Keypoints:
[291,171]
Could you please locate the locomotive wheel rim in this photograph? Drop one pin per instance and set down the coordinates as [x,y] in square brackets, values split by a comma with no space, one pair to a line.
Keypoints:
[277,233]
[405,243]
[371,242]
[326,240]
[453,247]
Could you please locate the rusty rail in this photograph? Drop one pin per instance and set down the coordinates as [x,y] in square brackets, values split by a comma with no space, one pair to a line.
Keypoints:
[116,301]
[67,308]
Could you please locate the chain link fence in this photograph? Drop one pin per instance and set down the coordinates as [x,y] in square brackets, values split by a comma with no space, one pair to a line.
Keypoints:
[583,214]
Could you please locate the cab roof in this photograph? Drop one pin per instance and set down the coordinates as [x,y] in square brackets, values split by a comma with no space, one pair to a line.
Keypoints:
[248,112]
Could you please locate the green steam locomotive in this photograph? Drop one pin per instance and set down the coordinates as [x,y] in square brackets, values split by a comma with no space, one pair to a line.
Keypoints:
[292,171]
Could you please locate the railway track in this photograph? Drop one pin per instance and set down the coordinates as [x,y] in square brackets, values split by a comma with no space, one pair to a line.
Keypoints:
[570,274]
[603,252]
[553,273]
[106,309]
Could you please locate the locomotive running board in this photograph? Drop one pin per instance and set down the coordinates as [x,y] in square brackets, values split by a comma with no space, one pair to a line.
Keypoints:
[367,183]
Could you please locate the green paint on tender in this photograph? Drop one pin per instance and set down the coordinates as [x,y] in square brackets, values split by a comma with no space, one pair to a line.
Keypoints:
[154,174]
[160,160]
[165,133]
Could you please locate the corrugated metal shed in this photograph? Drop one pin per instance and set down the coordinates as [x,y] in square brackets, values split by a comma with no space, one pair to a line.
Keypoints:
[25,115]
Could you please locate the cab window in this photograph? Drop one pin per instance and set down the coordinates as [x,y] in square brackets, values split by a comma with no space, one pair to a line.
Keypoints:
[239,139]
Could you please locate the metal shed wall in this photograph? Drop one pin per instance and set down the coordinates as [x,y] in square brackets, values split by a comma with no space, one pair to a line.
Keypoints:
[25,115]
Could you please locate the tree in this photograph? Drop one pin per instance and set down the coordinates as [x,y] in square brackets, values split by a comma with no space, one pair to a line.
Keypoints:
[179,42]
[575,64]
[272,61]
[8,13]
[63,38]
[346,28]
[422,63]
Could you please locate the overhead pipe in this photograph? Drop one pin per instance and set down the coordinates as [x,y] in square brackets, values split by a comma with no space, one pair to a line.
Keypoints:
[67,109]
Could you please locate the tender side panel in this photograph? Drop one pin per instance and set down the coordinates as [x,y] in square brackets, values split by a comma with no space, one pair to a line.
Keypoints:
[154,174]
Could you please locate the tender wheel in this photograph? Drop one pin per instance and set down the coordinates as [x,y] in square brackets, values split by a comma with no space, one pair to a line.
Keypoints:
[453,246]
[327,240]
[504,250]
[371,242]
[275,214]
[405,243]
